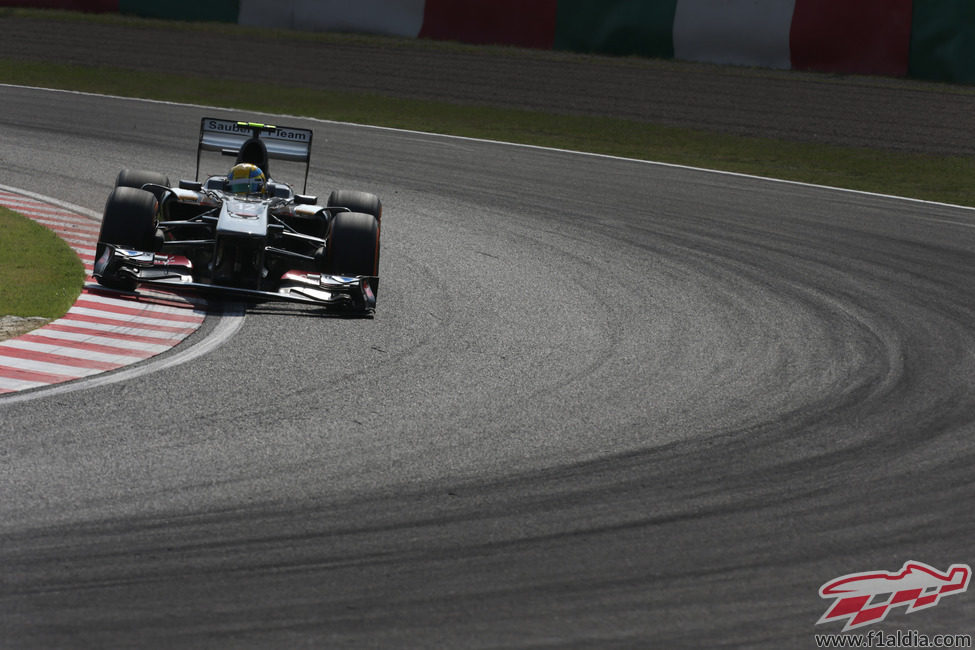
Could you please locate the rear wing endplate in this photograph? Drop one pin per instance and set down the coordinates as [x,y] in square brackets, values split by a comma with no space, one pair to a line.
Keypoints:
[282,142]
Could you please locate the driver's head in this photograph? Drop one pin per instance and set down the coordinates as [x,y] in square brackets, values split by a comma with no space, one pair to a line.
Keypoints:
[246,179]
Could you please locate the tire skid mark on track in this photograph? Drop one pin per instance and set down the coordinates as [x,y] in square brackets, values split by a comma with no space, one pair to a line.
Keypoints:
[103,330]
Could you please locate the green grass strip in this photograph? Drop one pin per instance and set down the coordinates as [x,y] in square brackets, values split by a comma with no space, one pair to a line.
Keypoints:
[924,176]
[39,274]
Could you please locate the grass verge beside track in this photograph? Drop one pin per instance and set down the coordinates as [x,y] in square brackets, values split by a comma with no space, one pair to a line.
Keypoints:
[39,274]
[923,176]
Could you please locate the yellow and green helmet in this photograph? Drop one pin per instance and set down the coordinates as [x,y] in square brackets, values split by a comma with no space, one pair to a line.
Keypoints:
[245,179]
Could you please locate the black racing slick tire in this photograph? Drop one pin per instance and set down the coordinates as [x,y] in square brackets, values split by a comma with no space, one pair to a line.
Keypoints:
[364,203]
[352,247]
[137,178]
[357,202]
[129,220]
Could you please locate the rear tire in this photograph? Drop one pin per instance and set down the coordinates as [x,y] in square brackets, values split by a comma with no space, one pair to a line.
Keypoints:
[352,247]
[356,202]
[138,177]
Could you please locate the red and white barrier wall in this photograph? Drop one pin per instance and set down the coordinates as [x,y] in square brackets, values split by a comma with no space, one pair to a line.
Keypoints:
[918,38]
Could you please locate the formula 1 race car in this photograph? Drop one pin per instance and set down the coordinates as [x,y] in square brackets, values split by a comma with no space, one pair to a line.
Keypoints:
[242,234]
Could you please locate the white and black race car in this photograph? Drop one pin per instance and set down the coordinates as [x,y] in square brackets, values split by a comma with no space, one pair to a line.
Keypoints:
[260,243]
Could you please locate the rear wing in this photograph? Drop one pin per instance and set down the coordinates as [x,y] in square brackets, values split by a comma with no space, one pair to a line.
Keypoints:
[282,142]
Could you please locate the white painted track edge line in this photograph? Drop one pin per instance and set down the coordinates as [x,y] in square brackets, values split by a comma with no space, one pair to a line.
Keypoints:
[510,144]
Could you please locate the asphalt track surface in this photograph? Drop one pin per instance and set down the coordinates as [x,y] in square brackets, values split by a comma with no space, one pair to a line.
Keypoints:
[602,403]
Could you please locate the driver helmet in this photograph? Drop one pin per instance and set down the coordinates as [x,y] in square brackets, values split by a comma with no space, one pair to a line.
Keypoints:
[245,179]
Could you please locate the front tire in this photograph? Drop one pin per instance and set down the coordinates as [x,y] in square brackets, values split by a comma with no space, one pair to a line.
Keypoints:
[352,247]
[129,221]
[364,203]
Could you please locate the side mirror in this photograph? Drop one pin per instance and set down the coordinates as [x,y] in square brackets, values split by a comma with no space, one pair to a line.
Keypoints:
[216,183]
[305,199]
[195,186]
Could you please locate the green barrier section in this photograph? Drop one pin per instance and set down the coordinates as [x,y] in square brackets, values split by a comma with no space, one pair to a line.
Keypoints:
[621,27]
[943,41]
[224,11]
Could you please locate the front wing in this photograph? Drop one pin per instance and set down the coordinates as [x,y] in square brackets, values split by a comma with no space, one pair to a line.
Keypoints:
[175,272]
